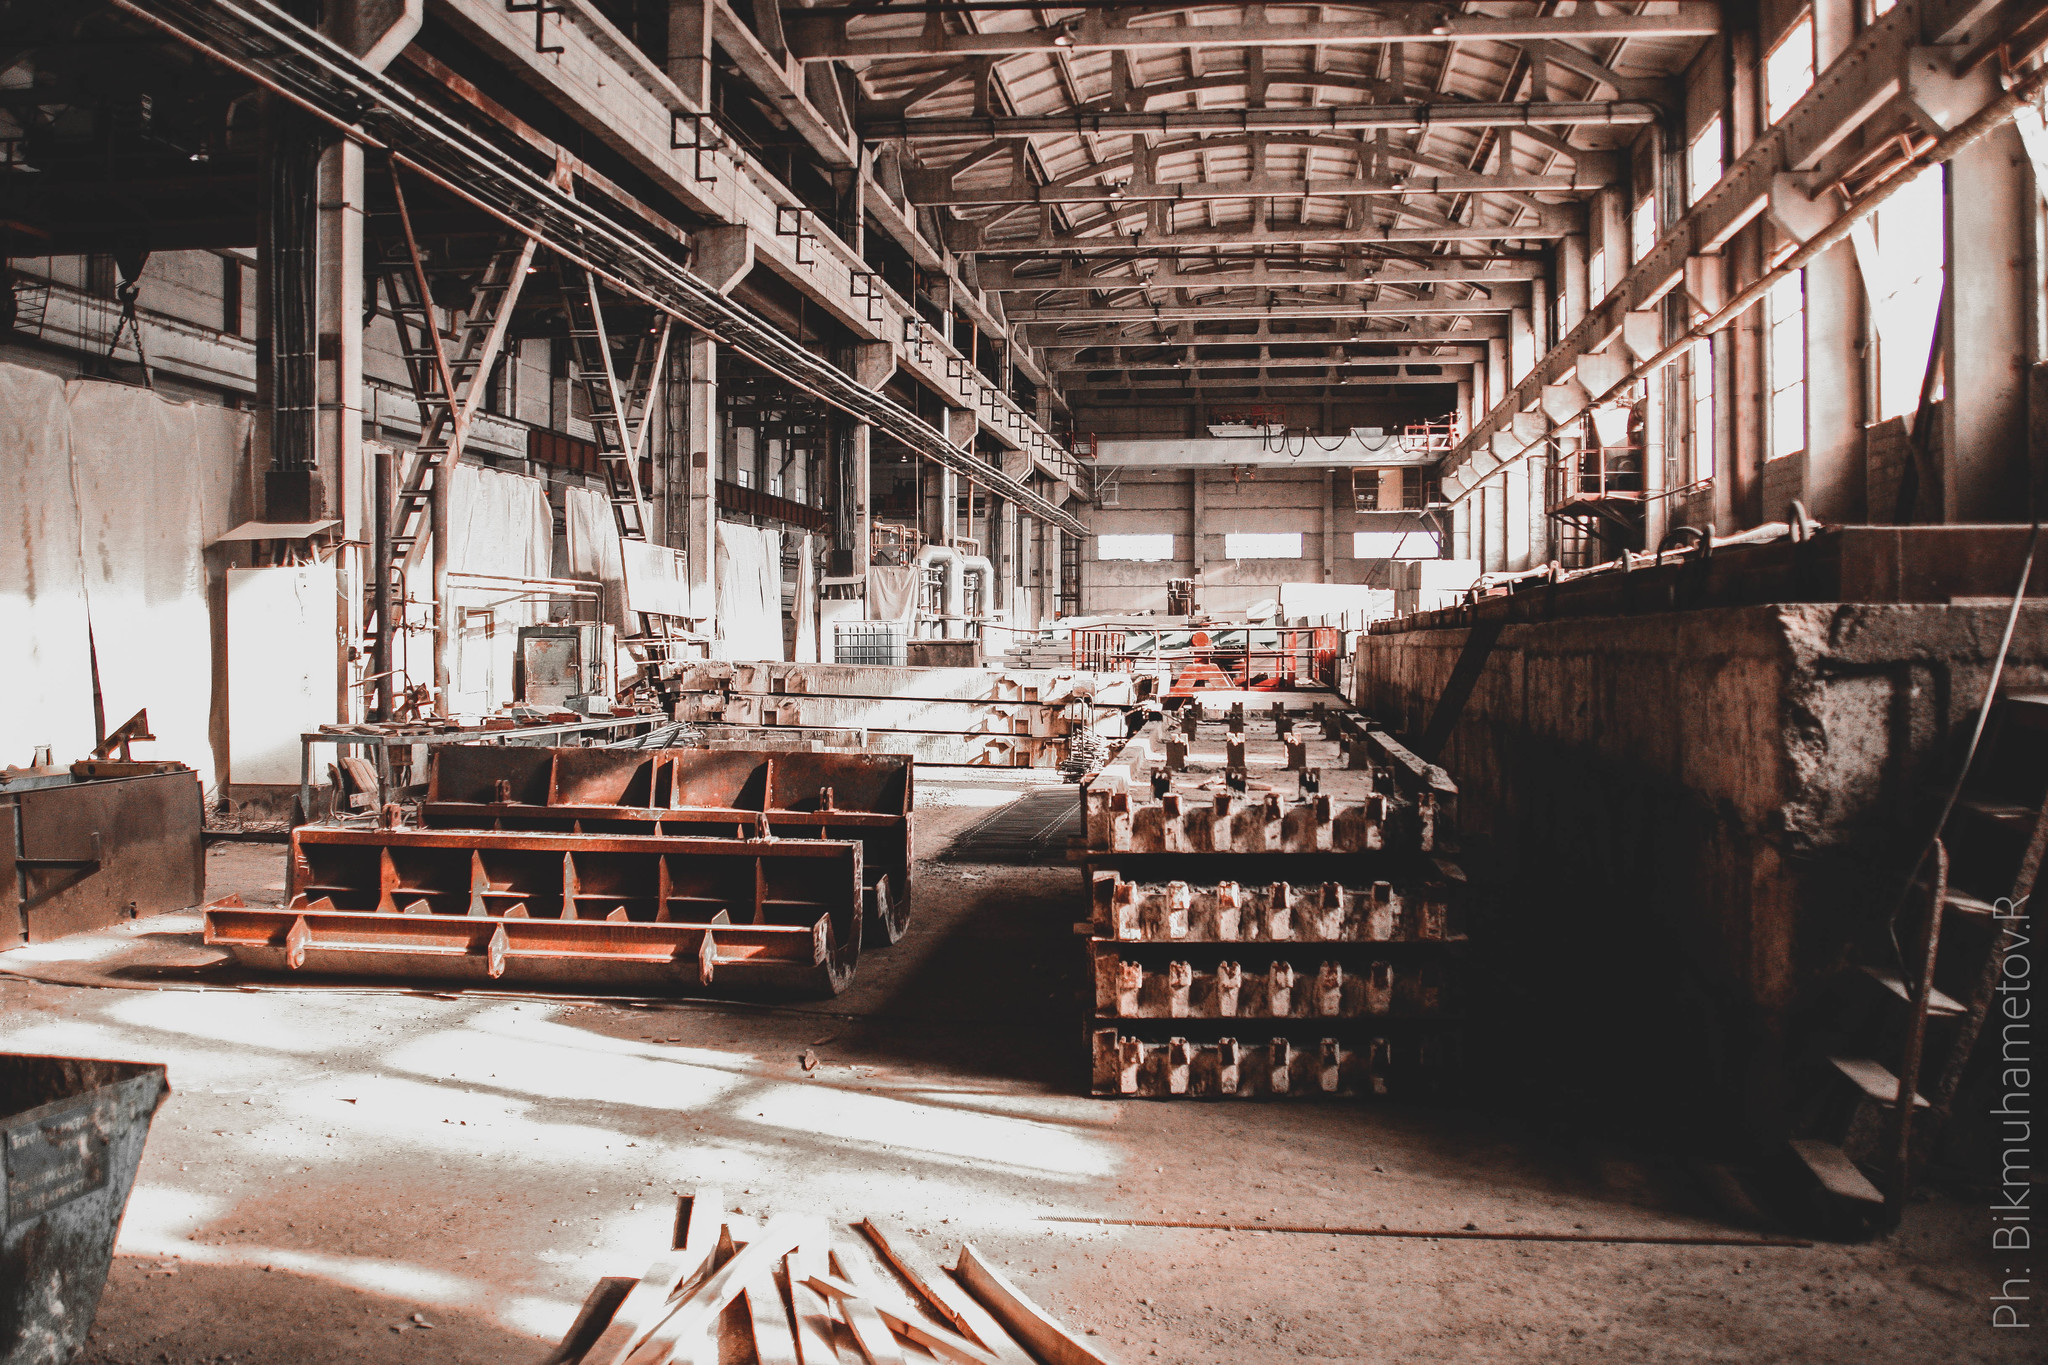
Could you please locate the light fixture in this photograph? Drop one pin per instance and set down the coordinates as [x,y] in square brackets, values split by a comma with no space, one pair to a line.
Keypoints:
[1063,39]
[1441,30]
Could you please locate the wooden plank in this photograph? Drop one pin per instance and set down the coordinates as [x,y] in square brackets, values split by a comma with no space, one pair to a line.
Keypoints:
[695,1315]
[900,1317]
[811,1311]
[774,1338]
[943,1293]
[871,1335]
[1035,1327]
[600,1306]
[1837,1174]
[1874,1079]
[698,1220]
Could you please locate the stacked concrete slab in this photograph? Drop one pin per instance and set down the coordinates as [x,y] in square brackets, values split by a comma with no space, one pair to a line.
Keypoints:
[1272,909]
[1005,718]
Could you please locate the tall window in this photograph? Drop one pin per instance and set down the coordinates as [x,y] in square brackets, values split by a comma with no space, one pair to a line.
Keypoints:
[1786,342]
[1596,276]
[1702,378]
[1904,273]
[1145,548]
[1788,70]
[1642,229]
[1262,545]
[1703,161]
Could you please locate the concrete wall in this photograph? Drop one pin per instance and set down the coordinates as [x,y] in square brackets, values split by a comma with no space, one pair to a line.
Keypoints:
[1731,789]
[1315,502]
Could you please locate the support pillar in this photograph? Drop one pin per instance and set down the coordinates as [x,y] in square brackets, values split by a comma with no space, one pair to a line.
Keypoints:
[702,441]
[689,50]
[1835,401]
[1329,525]
[1984,332]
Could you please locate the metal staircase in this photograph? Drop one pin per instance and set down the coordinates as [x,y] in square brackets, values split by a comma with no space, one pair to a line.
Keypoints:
[1907,1022]
[619,406]
[448,369]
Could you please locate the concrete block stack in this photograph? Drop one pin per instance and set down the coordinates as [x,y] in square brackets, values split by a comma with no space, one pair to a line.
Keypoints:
[1004,718]
[1273,909]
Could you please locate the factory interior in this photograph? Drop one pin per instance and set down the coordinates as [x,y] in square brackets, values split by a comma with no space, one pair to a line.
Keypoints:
[852,682]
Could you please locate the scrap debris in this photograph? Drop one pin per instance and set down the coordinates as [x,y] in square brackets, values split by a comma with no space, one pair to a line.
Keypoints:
[787,1293]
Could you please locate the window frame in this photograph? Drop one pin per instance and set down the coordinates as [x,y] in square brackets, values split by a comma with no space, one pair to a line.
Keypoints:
[1172,545]
[1229,553]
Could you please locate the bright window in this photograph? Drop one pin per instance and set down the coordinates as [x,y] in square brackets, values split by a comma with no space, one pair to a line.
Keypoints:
[1703,161]
[1146,549]
[1786,340]
[1702,377]
[1642,229]
[1880,7]
[1905,290]
[1394,545]
[1262,545]
[1596,276]
[1788,71]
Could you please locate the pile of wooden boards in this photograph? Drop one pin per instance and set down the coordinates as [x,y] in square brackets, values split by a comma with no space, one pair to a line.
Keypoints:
[963,716]
[784,1292]
[1272,909]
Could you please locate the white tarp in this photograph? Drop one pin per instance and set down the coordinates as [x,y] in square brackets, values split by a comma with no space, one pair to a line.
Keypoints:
[498,524]
[593,531]
[115,495]
[655,582]
[282,626]
[749,593]
[806,649]
[893,592]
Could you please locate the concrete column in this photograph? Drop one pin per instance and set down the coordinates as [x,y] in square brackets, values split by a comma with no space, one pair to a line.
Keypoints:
[1521,345]
[1461,530]
[1195,518]
[1329,525]
[1465,391]
[960,427]
[338,426]
[1984,332]
[1744,473]
[1515,515]
[1539,320]
[1497,382]
[1572,298]
[701,437]
[689,49]
[1835,374]
[873,363]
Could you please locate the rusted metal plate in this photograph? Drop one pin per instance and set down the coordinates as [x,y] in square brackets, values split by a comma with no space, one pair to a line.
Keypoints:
[71,1136]
[1299,1063]
[588,955]
[89,854]
[861,798]
[629,913]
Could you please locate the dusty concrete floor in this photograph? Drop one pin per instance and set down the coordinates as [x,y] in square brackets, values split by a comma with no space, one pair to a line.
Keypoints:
[333,1162]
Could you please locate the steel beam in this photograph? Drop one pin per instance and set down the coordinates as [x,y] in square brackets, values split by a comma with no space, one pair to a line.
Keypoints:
[816,36]
[1298,388]
[1259,187]
[1336,117]
[1472,329]
[1004,279]
[1305,308]
[1094,239]
[284,55]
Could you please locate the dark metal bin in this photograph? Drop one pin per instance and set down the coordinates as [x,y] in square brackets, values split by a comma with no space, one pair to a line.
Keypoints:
[71,1135]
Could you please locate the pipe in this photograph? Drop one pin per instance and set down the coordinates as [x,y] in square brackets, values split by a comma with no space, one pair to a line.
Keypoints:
[953,595]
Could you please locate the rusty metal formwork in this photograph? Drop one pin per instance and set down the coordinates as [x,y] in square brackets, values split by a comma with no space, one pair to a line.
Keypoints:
[605,912]
[1273,910]
[860,798]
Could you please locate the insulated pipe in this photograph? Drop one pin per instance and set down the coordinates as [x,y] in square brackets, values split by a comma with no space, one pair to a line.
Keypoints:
[953,595]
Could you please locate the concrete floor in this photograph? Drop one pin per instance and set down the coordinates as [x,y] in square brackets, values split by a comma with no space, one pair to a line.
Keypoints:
[355,1174]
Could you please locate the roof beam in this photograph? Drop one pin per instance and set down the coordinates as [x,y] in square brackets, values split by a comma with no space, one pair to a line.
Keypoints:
[1304,308]
[1004,279]
[818,36]
[1068,360]
[931,191]
[971,240]
[1438,114]
[1333,387]
[1480,328]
